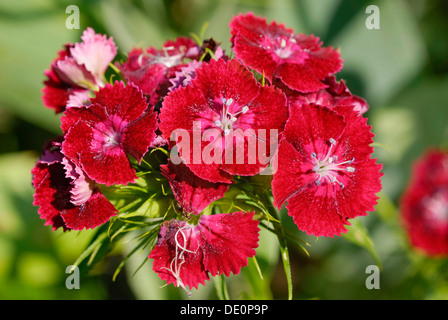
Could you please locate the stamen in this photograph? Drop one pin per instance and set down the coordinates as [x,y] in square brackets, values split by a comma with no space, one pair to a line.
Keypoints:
[350,169]
[179,260]
[283,43]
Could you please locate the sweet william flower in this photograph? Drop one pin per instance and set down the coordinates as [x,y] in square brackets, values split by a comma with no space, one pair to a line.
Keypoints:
[231,113]
[100,137]
[78,70]
[65,196]
[325,170]
[296,60]
[186,254]
[424,204]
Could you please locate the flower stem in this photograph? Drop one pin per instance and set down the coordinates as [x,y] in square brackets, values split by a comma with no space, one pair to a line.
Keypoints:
[283,245]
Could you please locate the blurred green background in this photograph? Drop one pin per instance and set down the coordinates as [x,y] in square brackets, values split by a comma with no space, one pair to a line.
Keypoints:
[401,69]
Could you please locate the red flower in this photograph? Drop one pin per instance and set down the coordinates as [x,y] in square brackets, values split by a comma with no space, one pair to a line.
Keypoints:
[151,69]
[185,254]
[191,192]
[100,137]
[337,94]
[224,106]
[78,69]
[297,60]
[65,196]
[325,170]
[424,204]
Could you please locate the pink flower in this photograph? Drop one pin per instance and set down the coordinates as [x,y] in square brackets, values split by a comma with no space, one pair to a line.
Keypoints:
[186,254]
[424,204]
[151,69]
[325,171]
[191,192]
[78,69]
[337,94]
[225,107]
[296,60]
[100,137]
[65,196]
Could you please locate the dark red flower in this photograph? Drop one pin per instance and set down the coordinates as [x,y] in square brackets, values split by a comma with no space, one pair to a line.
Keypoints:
[299,61]
[186,254]
[77,70]
[100,137]
[191,192]
[152,69]
[65,196]
[337,94]
[227,117]
[325,171]
[424,204]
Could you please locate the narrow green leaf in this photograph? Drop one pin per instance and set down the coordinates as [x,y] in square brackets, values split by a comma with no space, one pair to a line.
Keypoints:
[359,235]
[221,287]
[286,265]
[94,246]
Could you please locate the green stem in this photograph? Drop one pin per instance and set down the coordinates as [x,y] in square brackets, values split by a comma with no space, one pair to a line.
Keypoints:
[283,245]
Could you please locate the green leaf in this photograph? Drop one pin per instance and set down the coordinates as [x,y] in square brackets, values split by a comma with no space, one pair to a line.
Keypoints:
[359,235]
[221,287]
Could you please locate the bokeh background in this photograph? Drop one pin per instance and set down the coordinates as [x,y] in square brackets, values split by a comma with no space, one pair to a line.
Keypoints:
[400,69]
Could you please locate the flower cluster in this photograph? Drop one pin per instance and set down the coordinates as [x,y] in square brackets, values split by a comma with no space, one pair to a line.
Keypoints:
[196,125]
[424,204]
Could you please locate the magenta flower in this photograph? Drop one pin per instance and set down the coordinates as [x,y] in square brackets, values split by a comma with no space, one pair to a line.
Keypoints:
[151,69]
[325,171]
[100,137]
[424,204]
[337,94]
[296,60]
[186,254]
[235,116]
[79,69]
[191,192]
[65,196]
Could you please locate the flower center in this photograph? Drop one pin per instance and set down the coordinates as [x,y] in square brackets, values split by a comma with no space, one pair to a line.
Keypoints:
[227,118]
[284,47]
[327,168]
[437,207]
[112,139]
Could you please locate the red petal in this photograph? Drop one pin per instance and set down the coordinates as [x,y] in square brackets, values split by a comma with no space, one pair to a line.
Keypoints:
[139,135]
[191,192]
[52,192]
[96,211]
[126,102]
[227,240]
[233,77]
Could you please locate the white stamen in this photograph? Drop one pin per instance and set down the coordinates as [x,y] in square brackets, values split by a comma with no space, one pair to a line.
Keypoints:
[283,43]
